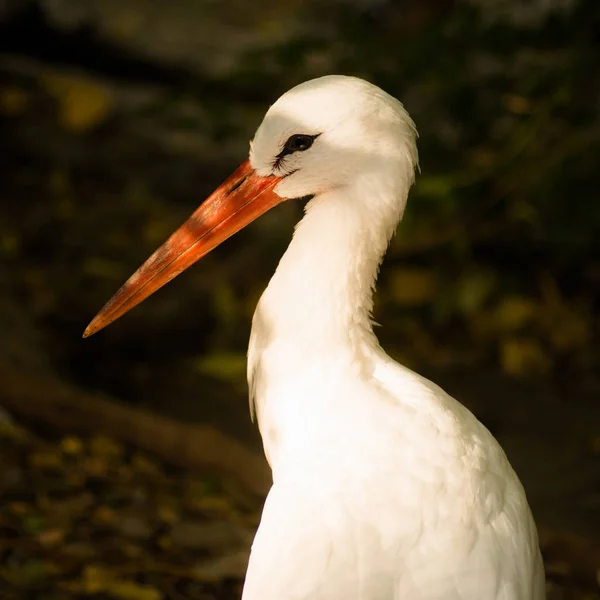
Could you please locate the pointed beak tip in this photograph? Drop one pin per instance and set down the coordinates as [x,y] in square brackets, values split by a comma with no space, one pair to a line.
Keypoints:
[90,330]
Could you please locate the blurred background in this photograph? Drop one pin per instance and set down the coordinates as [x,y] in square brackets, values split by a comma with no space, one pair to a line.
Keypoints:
[129,467]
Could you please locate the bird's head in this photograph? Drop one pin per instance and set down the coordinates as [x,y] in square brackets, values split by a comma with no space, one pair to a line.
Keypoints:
[323,135]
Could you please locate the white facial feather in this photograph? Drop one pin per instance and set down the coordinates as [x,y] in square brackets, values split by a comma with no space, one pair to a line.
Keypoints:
[361,130]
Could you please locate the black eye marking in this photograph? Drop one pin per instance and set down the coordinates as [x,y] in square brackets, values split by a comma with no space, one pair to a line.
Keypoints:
[299,142]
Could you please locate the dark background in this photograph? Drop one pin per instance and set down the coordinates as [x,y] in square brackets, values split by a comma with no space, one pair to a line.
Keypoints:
[119,116]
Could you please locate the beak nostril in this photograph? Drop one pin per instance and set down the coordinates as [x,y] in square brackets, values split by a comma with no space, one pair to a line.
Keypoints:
[236,185]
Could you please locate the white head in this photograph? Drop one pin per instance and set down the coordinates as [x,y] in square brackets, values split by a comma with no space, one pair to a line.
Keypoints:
[328,133]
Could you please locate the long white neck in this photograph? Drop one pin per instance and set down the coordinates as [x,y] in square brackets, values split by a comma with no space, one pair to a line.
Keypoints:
[322,291]
[313,323]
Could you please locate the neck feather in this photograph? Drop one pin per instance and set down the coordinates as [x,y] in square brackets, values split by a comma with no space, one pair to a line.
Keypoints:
[322,291]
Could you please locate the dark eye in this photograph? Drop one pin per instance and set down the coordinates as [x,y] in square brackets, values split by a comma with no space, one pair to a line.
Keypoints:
[298,142]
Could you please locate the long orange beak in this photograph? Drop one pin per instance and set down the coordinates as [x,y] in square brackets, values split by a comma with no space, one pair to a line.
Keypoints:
[240,199]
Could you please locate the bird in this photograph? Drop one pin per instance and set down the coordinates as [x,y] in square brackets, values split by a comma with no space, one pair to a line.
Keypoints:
[384,486]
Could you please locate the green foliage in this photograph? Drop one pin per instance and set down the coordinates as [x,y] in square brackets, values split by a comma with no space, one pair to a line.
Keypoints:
[505,208]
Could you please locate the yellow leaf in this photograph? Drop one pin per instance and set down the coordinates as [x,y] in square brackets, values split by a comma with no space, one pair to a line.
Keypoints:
[222,365]
[100,267]
[142,464]
[105,515]
[521,356]
[225,302]
[9,243]
[435,186]
[517,104]
[473,289]
[213,505]
[129,590]
[567,326]
[12,431]
[45,459]
[157,230]
[71,445]
[31,571]
[82,103]
[51,537]
[96,466]
[20,508]
[482,157]
[126,21]
[167,514]
[95,579]
[411,286]
[103,446]
[595,444]
[13,101]
[570,329]
[514,312]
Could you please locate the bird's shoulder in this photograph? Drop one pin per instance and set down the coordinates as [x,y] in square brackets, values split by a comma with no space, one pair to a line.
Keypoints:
[435,416]
[449,456]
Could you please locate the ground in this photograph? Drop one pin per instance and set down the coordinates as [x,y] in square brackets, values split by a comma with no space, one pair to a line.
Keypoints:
[87,518]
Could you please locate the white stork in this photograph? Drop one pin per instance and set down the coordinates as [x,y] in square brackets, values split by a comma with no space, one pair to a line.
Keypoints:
[384,487]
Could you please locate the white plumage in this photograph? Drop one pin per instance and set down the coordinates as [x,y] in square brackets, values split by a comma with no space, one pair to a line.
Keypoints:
[385,487]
